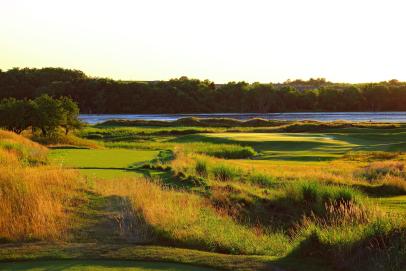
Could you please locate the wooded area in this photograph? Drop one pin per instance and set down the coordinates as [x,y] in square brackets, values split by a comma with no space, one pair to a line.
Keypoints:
[184,95]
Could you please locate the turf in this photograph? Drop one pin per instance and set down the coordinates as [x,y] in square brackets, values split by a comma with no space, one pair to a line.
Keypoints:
[102,163]
[100,265]
[305,146]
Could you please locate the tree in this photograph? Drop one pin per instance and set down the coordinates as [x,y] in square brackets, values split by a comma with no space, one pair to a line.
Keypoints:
[16,115]
[70,114]
[49,114]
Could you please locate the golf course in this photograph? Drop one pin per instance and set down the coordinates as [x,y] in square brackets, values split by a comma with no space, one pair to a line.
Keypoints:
[122,196]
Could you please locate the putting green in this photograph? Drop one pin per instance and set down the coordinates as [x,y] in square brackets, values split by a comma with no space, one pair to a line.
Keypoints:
[104,163]
[75,265]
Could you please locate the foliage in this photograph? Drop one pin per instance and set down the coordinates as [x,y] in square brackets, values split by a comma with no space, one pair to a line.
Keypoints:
[44,112]
[184,95]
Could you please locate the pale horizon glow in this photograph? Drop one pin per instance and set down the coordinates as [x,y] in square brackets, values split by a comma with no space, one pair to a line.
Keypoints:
[222,40]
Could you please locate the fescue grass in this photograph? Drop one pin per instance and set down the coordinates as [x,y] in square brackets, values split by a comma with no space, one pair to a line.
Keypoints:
[224,172]
[261,179]
[186,219]
[201,168]
[34,200]
[20,148]
[227,151]
[61,139]
[377,170]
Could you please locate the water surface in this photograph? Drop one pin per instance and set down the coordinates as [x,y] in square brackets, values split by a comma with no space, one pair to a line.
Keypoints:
[319,116]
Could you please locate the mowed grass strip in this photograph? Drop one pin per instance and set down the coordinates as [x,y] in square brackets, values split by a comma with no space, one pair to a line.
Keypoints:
[102,163]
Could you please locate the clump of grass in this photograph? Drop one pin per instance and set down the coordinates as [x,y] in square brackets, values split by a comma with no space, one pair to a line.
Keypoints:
[201,168]
[379,245]
[261,179]
[377,170]
[226,151]
[370,155]
[320,199]
[224,172]
[393,185]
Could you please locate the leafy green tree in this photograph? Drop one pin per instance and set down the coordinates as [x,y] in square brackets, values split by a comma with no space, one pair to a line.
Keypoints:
[16,115]
[70,119]
[49,114]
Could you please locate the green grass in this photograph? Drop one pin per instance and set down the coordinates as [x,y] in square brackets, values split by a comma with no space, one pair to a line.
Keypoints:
[100,265]
[299,196]
[102,163]
[305,146]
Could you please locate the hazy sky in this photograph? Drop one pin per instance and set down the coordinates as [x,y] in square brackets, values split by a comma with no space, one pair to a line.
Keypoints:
[222,40]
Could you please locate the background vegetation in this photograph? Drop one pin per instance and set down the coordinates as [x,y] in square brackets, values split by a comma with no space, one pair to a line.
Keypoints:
[183,95]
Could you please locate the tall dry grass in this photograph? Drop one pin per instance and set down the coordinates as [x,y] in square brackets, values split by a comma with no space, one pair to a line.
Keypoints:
[14,147]
[34,200]
[189,220]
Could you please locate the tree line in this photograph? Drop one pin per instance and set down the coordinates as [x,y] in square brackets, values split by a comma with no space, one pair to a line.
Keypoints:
[44,113]
[184,95]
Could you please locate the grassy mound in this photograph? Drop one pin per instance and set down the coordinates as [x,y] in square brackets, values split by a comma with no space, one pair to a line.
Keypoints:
[188,220]
[17,148]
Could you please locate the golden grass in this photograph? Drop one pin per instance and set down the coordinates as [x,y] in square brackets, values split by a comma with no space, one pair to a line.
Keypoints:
[14,147]
[34,200]
[190,220]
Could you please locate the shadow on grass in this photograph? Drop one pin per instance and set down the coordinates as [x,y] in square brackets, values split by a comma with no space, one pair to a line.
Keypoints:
[99,265]
[68,148]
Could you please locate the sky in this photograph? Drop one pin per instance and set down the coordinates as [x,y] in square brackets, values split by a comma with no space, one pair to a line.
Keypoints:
[221,40]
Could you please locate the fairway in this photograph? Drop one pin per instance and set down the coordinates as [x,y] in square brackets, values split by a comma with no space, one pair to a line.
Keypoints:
[74,265]
[104,163]
[284,146]
[308,146]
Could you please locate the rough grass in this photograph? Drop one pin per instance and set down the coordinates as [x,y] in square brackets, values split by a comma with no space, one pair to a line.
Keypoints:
[186,219]
[13,146]
[227,151]
[59,140]
[33,199]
